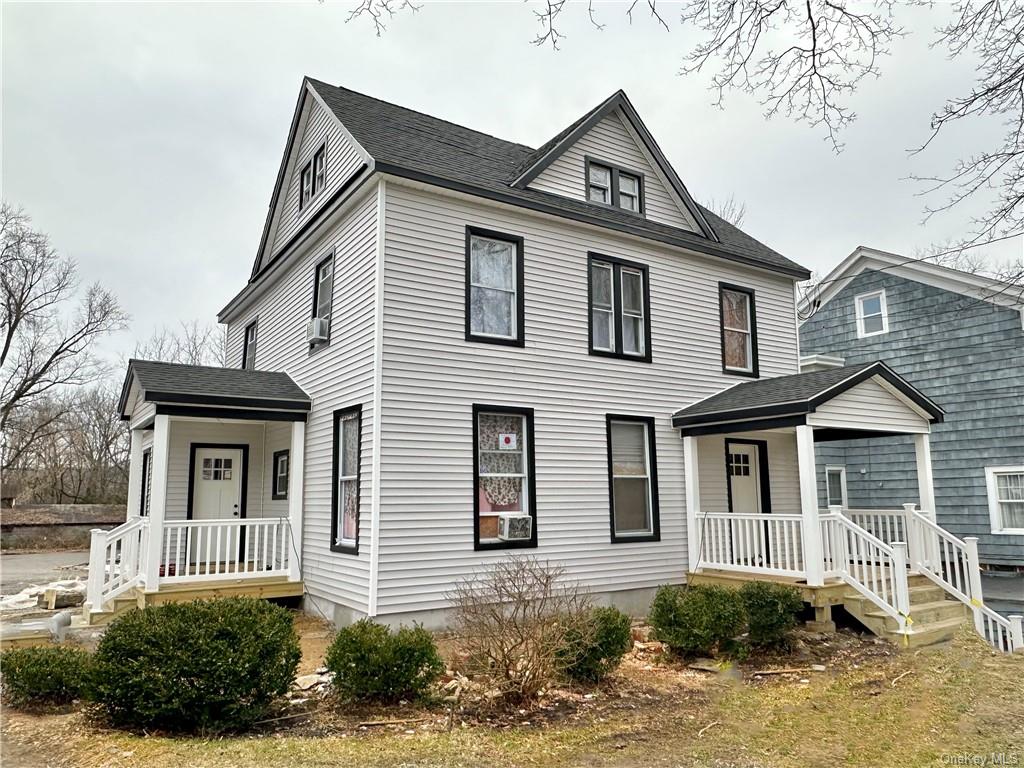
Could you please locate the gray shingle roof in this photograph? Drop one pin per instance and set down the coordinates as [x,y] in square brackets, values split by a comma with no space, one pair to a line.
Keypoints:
[406,142]
[789,395]
[174,382]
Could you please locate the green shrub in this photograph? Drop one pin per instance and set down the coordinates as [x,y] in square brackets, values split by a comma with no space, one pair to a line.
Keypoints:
[772,611]
[46,674]
[195,667]
[697,619]
[590,652]
[372,663]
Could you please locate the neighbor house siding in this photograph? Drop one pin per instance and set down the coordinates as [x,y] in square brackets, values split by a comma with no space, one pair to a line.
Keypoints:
[965,354]
[432,377]
[343,160]
[612,142]
[336,376]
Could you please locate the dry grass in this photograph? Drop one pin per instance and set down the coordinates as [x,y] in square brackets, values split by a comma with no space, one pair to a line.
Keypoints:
[872,706]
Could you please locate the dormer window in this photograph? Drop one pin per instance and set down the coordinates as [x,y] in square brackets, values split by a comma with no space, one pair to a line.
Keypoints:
[313,177]
[609,185]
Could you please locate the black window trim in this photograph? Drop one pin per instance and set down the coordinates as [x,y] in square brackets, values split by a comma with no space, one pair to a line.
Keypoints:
[755,371]
[520,337]
[147,471]
[315,346]
[245,343]
[614,191]
[531,485]
[274,493]
[339,414]
[617,265]
[310,165]
[652,460]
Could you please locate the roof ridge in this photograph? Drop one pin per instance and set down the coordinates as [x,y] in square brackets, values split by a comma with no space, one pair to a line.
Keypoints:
[418,112]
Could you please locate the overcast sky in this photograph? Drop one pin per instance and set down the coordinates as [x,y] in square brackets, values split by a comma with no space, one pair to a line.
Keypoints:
[145,138]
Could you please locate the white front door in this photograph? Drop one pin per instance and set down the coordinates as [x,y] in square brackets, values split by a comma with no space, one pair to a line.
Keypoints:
[216,495]
[744,471]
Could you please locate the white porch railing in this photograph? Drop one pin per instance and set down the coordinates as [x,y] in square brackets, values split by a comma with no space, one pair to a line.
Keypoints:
[954,565]
[887,525]
[211,550]
[751,543]
[116,559]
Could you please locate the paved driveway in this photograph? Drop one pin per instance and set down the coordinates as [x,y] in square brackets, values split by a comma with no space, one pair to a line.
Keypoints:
[18,570]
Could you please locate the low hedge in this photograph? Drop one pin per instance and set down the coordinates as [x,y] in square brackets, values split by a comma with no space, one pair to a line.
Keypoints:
[697,619]
[772,611]
[589,653]
[44,675]
[195,667]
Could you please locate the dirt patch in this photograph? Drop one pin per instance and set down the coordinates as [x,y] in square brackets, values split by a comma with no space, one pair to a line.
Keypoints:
[314,637]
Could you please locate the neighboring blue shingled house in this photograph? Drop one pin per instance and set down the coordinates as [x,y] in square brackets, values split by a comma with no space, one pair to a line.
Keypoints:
[959,338]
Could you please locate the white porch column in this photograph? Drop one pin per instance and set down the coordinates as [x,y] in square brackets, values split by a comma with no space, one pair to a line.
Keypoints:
[157,500]
[692,483]
[814,559]
[135,475]
[296,462]
[926,492]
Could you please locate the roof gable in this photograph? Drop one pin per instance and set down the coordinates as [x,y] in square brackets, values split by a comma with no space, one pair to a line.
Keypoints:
[614,111]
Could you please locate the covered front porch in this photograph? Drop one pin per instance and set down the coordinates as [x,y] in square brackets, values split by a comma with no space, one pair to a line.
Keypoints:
[214,489]
[757,504]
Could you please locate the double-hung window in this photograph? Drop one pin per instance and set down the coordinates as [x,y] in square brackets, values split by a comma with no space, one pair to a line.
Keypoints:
[619,309]
[610,185]
[494,287]
[313,176]
[632,478]
[739,330]
[1006,498]
[503,477]
[249,346]
[835,486]
[280,475]
[319,169]
[345,490]
[872,318]
[323,292]
[306,186]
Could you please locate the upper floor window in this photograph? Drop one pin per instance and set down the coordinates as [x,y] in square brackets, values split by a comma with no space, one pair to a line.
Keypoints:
[494,287]
[619,309]
[313,176]
[249,346]
[739,330]
[633,478]
[345,490]
[504,505]
[323,291]
[610,185]
[1006,498]
[319,169]
[872,319]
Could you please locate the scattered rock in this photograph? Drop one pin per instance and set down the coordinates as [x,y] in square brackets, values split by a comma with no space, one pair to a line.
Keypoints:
[817,667]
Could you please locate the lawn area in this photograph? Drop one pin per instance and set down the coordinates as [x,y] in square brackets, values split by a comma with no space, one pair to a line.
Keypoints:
[871,706]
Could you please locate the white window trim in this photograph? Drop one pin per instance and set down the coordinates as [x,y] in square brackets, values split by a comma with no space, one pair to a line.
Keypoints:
[993,499]
[841,469]
[748,332]
[649,531]
[858,303]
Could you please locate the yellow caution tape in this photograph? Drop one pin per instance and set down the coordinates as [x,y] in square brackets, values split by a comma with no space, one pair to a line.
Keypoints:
[977,603]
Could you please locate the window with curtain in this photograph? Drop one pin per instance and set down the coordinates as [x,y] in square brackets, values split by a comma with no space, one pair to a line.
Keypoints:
[1006,498]
[494,300]
[504,467]
[633,478]
[619,308]
[739,330]
[345,493]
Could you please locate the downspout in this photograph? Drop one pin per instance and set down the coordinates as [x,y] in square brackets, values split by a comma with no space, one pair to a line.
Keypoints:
[378,360]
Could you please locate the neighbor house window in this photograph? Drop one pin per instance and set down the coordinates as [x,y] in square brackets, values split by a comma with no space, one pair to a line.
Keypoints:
[632,478]
[147,482]
[871,315]
[835,486]
[610,185]
[619,308]
[1006,498]
[503,479]
[280,475]
[739,330]
[494,287]
[345,490]
[323,291]
[249,346]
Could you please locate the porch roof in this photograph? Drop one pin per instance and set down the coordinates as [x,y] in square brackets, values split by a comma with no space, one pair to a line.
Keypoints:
[206,388]
[787,400]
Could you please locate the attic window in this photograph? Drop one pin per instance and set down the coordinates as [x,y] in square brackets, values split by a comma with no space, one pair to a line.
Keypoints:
[313,177]
[609,185]
[872,318]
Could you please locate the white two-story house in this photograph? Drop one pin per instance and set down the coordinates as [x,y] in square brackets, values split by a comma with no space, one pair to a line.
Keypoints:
[454,347]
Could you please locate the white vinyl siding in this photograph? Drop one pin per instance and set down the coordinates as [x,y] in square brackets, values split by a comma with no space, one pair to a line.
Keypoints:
[610,140]
[342,160]
[432,377]
[783,472]
[888,412]
[335,376]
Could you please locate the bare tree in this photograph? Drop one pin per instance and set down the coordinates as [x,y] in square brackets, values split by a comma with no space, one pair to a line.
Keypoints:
[730,209]
[47,339]
[193,343]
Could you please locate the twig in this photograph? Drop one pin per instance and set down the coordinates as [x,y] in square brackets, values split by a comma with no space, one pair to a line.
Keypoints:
[794,671]
[375,723]
[288,717]
[900,677]
[709,725]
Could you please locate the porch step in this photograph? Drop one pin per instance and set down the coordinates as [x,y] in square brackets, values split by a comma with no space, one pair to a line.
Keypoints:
[929,634]
[89,618]
[935,619]
[926,593]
